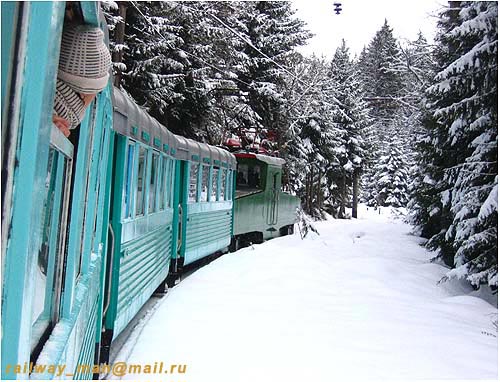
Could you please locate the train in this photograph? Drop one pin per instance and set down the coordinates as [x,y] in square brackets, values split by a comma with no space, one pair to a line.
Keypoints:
[94,224]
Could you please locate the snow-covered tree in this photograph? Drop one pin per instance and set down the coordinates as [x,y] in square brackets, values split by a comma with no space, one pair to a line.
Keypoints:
[312,137]
[382,81]
[459,208]
[272,34]
[180,63]
[382,74]
[352,122]
[391,182]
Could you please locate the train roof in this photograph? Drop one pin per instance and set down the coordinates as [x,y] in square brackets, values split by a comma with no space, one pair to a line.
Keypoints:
[263,158]
[134,122]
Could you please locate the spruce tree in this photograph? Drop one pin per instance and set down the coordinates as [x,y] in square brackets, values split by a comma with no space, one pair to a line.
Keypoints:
[181,65]
[352,121]
[383,82]
[273,33]
[459,208]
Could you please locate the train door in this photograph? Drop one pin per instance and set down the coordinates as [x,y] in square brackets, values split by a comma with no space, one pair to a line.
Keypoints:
[180,200]
[272,205]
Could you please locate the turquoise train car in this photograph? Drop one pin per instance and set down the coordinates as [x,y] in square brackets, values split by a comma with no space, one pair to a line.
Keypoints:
[141,216]
[205,204]
[55,198]
[171,206]
[94,224]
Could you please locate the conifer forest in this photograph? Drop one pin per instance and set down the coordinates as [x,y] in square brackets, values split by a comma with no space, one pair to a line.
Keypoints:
[404,123]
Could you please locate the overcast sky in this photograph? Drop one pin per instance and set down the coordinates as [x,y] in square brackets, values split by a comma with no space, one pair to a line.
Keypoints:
[359,20]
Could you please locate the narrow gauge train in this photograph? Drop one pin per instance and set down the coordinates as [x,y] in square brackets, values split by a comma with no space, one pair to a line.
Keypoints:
[94,224]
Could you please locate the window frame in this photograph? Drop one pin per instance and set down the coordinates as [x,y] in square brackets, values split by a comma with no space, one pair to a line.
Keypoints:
[230,184]
[143,181]
[170,182]
[214,197]
[197,189]
[129,188]
[208,169]
[223,184]
[58,236]
[153,187]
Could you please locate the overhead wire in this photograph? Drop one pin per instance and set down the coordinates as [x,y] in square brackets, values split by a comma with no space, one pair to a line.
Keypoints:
[308,86]
[188,53]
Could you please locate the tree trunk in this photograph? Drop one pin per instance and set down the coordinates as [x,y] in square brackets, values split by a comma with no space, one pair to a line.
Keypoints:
[355,190]
[120,39]
[306,196]
[311,190]
[319,193]
[342,197]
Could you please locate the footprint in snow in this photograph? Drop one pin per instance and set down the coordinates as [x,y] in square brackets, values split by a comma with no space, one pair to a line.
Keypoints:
[357,235]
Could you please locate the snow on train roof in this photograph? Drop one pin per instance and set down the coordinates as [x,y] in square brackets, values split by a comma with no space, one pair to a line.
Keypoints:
[264,158]
[191,150]
[132,121]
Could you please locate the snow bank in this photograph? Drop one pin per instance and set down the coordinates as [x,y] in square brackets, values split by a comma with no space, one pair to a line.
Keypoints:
[358,302]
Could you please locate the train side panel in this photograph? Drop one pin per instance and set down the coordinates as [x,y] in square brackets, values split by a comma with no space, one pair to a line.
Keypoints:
[208,213]
[31,152]
[263,212]
[142,214]
[53,257]
[205,206]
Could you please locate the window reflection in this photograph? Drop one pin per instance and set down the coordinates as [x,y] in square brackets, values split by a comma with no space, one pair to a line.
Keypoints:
[215,181]
[223,182]
[193,182]
[204,183]
[152,207]
[140,181]
[248,177]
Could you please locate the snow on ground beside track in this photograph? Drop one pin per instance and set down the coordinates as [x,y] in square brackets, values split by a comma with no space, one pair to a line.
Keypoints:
[360,301]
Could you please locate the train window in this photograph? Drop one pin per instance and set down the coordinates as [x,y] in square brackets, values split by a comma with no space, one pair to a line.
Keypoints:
[204,183]
[223,182]
[141,180]
[193,182]
[40,316]
[153,205]
[162,163]
[230,181]
[170,182]
[129,176]
[215,183]
[48,271]
[242,178]
[248,177]
[165,188]
[89,129]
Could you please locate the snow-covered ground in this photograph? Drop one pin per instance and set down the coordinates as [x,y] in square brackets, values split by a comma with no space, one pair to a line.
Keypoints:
[360,301]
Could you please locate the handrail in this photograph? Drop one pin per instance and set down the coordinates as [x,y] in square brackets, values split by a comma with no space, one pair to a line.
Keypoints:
[179,234]
[108,297]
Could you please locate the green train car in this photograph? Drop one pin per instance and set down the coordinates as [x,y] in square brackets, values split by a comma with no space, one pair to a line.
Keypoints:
[262,210]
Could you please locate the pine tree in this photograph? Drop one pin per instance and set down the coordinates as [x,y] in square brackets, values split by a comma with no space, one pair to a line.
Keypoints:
[383,82]
[459,207]
[273,33]
[312,138]
[391,182]
[353,124]
[181,64]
